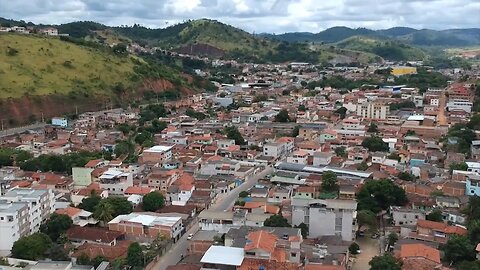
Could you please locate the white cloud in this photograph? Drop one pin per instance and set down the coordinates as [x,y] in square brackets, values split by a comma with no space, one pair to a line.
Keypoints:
[254,15]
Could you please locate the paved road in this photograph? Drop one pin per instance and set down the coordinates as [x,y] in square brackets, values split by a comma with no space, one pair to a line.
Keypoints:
[19,130]
[173,256]
[370,248]
[442,107]
[228,201]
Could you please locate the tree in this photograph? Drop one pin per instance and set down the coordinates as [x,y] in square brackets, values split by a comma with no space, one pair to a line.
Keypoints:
[303,229]
[104,212]
[83,259]
[296,131]
[474,231]
[89,203]
[282,117]
[31,247]
[276,221]
[135,255]
[58,253]
[458,248]
[372,128]
[374,144]
[233,134]
[435,215]
[458,166]
[302,108]
[341,151]
[120,205]
[362,166]
[56,225]
[392,238]
[153,201]
[473,209]
[243,194]
[406,176]
[98,260]
[354,248]
[329,182]
[385,262]
[367,217]
[381,194]
[342,111]
[468,265]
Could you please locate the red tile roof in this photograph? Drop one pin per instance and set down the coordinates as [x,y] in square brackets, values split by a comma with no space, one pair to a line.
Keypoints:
[93,234]
[69,211]
[261,240]
[420,251]
[109,252]
[254,264]
[138,190]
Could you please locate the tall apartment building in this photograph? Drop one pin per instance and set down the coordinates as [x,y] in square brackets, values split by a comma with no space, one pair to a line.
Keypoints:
[14,223]
[22,211]
[326,217]
[373,110]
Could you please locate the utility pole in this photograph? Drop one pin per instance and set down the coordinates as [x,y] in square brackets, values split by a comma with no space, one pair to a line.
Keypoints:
[2,124]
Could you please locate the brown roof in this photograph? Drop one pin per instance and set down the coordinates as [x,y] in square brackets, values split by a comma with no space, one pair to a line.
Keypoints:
[316,266]
[440,226]
[420,264]
[93,234]
[261,240]
[419,251]
[187,266]
[254,264]
[69,211]
[109,252]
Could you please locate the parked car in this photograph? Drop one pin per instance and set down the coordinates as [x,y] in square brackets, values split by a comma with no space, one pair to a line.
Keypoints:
[190,236]
[375,236]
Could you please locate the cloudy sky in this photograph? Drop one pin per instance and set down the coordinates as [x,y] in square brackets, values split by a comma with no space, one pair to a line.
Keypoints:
[273,16]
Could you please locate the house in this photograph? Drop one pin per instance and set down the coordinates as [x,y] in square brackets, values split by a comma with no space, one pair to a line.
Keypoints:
[447,202]
[79,216]
[147,225]
[49,31]
[157,154]
[59,265]
[420,256]
[279,194]
[402,216]
[161,179]
[472,185]
[94,235]
[298,157]
[60,122]
[202,241]
[322,158]
[265,245]
[438,232]
[111,253]
[326,217]
[115,181]
[83,193]
[220,257]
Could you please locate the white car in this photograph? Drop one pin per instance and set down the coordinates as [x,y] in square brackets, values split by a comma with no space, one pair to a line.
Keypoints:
[190,236]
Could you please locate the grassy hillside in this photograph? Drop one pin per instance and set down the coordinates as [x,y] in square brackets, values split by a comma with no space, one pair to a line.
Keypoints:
[386,49]
[31,65]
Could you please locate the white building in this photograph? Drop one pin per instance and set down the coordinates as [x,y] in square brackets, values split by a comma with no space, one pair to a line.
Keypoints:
[14,223]
[115,181]
[60,121]
[404,216]
[326,217]
[322,158]
[41,203]
[373,110]
[460,105]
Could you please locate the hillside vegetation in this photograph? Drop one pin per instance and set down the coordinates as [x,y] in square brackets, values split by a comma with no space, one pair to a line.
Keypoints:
[31,65]
[386,49]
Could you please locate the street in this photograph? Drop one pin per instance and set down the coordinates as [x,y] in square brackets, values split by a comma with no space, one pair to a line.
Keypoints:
[173,256]
[369,249]
[228,201]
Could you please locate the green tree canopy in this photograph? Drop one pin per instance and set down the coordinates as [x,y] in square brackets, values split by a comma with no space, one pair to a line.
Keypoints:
[435,215]
[341,151]
[276,221]
[354,248]
[367,217]
[135,255]
[374,144]
[104,212]
[376,195]
[303,229]
[33,247]
[89,203]
[458,248]
[329,182]
[120,205]
[56,225]
[153,201]
[406,176]
[372,128]
[282,117]
[384,262]
[233,134]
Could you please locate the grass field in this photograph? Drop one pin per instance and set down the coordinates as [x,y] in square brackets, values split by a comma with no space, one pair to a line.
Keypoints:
[34,65]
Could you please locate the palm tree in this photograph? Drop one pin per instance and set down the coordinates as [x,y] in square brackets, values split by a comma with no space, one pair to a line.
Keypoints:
[104,212]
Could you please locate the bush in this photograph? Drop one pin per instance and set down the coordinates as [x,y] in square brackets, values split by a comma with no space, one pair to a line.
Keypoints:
[12,51]
[354,248]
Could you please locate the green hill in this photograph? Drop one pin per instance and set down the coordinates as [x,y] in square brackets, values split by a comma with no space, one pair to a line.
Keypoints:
[387,49]
[34,65]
